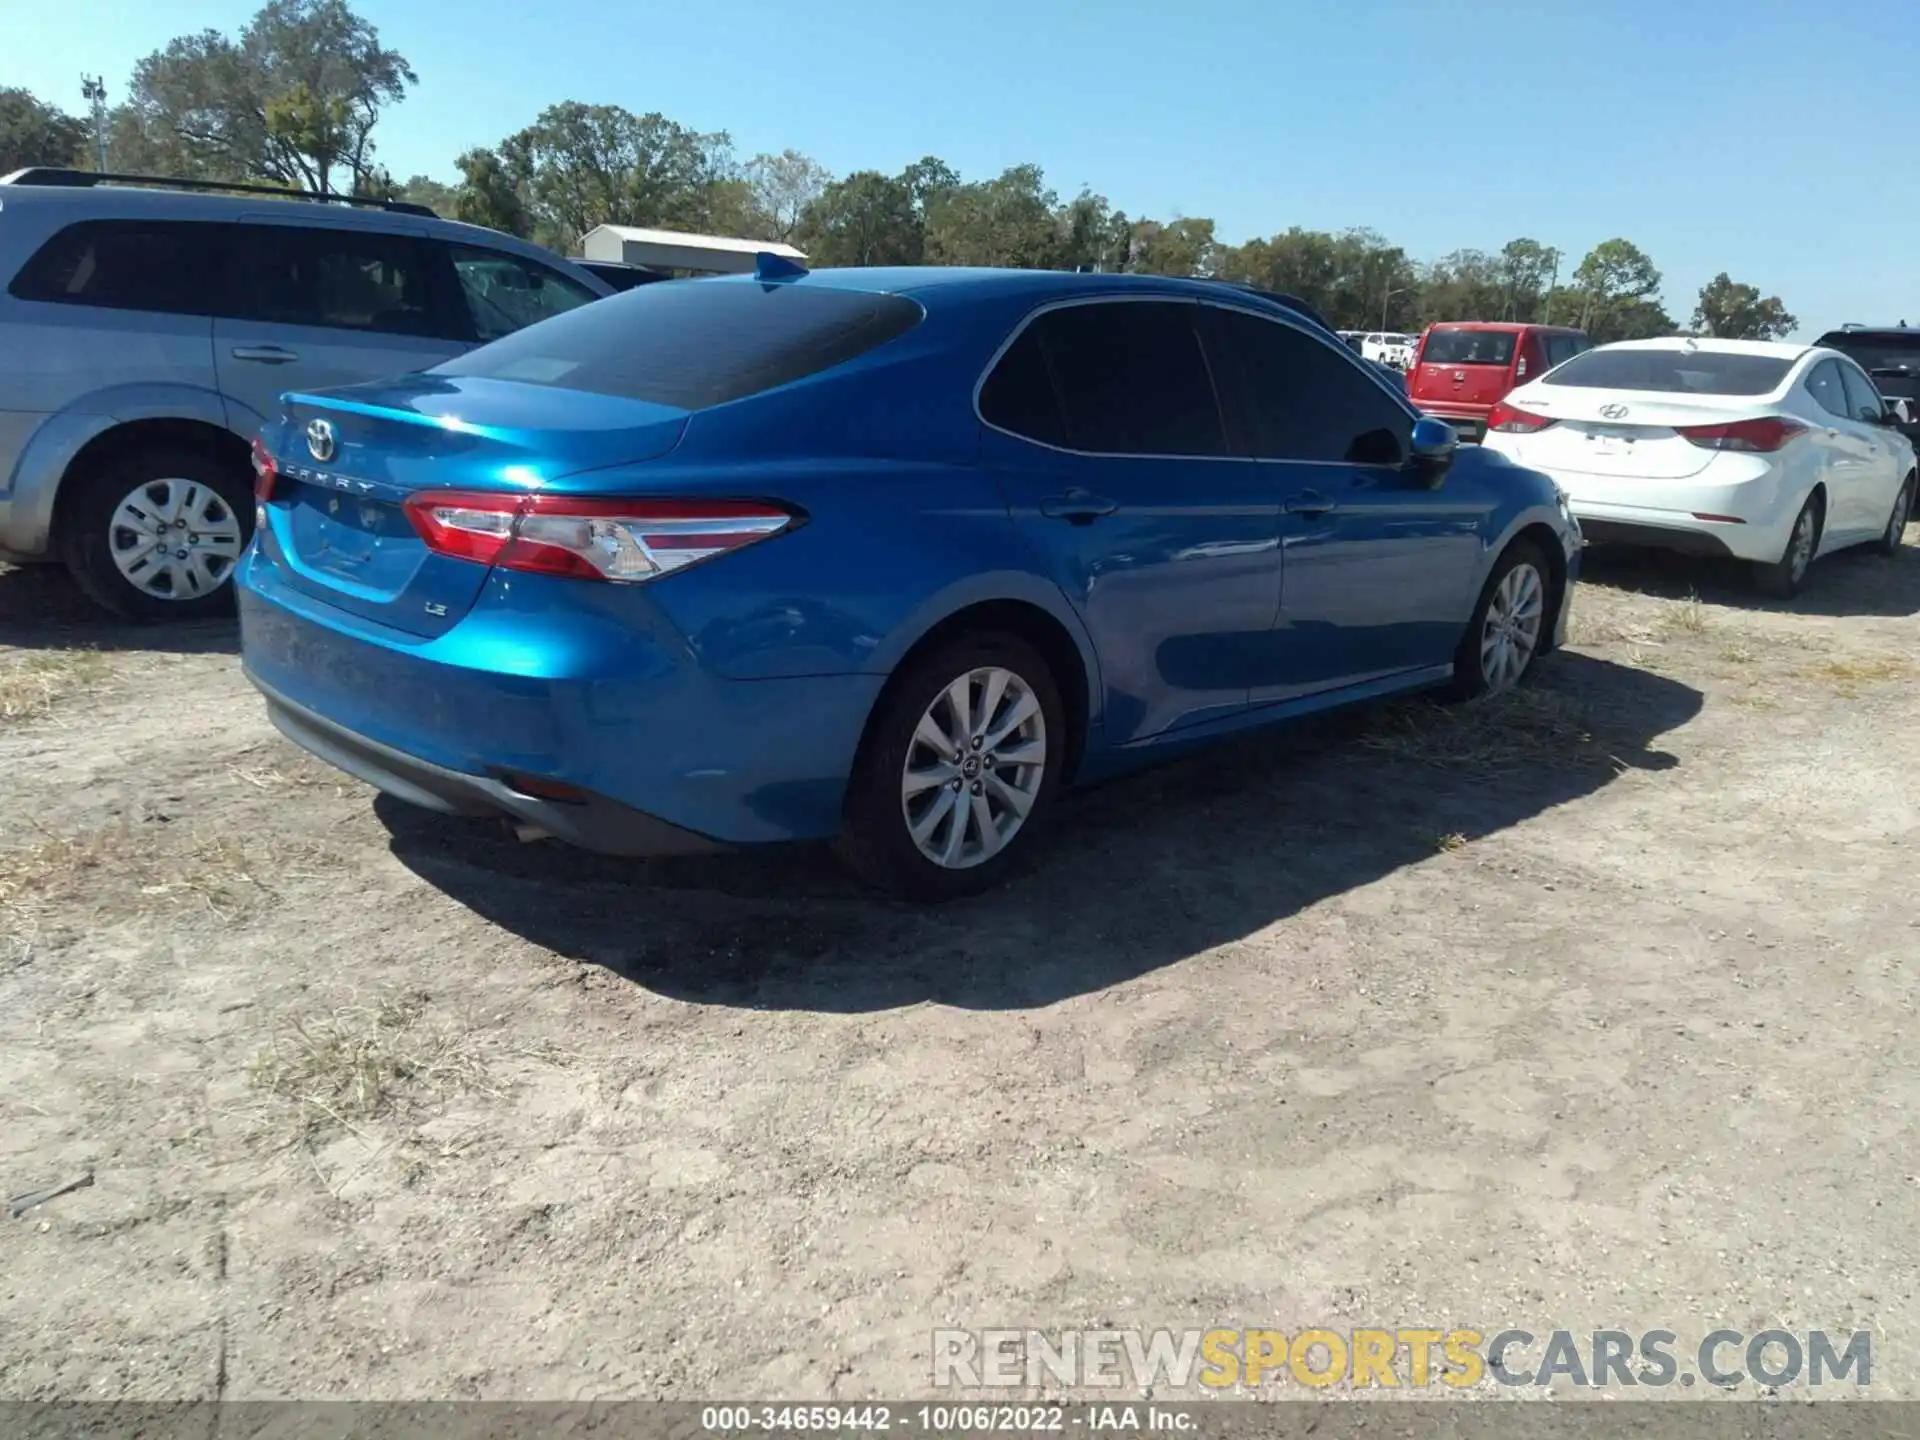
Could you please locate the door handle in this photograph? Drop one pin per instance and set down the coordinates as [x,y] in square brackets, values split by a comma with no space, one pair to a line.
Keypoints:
[264,354]
[1308,502]
[1080,507]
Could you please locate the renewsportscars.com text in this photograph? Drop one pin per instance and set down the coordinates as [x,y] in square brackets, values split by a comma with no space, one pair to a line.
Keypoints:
[1409,1357]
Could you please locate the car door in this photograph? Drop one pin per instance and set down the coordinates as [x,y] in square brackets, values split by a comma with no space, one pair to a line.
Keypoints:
[1847,458]
[1885,469]
[1105,432]
[311,306]
[1377,565]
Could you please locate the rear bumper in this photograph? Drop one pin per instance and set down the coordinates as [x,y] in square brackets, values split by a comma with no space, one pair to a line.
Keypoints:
[568,684]
[1703,541]
[1469,420]
[593,823]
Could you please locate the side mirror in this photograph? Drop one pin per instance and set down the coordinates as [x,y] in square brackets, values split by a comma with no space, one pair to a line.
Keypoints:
[1434,442]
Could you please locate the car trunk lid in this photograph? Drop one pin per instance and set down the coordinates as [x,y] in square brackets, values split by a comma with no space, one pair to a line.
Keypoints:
[348,461]
[1623,433]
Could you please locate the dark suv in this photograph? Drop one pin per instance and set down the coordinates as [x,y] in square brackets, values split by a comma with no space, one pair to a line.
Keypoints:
[1891,355]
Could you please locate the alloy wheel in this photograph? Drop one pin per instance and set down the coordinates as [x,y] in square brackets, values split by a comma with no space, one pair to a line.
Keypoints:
[175,539]
[1511,632]
[974,768]
[1800,554]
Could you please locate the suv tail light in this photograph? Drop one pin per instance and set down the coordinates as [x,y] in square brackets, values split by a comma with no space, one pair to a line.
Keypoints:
[1515,421]
[265,472]
[1763,436]
[591,539]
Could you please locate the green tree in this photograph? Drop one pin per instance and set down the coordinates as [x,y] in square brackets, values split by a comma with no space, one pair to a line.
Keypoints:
[425,190]
[1528,273]
[578,166]
[1093,234]
[1464,285]
[294,99]
[1173,247]
[1732,311]
[489,195]
[1007,221]
[865,219]
[1612,283]
[1295,262]
[33,132]
[780,188]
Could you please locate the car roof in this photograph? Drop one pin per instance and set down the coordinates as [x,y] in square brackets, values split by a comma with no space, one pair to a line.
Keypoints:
[128,202]
[1501,327]
[1778,349]
[943,281]
[1871,332]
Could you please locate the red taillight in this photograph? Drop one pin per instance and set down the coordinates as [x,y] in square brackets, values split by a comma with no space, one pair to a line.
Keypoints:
[1514,421]
[590,539]
[265,472]
[1764,435]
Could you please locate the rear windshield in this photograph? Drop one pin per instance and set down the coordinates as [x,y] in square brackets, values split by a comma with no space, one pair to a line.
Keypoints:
[1878,354]
[1676,371]
[1469,347]
[694,343]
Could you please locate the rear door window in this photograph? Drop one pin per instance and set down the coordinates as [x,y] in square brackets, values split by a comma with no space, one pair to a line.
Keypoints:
[1827,388]
[1863,400]
[1560,349]
[343,280]
[170,267]
[504,293]
[695,343]
[1132,378]
[1304,399]
[1020,397]
[1673,370]
[1469,347]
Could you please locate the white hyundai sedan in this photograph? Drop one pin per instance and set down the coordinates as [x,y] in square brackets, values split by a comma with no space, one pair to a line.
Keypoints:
[1770,452]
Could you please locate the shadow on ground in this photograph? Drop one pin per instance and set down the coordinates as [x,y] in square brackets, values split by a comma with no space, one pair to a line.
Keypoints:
[1856,582]
[42,609]
[1136,875]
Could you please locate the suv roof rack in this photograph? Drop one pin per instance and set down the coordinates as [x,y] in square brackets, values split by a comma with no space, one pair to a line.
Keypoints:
[81,179]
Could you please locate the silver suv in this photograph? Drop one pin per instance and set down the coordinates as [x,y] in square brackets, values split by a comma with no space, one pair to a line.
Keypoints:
[145,334]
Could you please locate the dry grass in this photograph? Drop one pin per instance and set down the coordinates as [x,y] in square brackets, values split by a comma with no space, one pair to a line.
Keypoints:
[1450,844]
[1845,677]
[33,684]
[128,869]
[1524,729]
[364,1063]
[1647,621]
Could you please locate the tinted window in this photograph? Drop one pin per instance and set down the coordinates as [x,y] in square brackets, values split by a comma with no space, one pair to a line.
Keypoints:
[1675,371]
[341,279]
[1019,395]
[1469,347]
[504,293]
[1863,401]
[1306,401]
[695,343]
[1133,379]
[1826,387]
[1894,354]
[1561,348]
[126,265]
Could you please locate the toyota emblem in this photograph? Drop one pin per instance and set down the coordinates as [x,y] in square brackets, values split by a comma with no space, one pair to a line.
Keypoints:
[1614,412]
[320,440]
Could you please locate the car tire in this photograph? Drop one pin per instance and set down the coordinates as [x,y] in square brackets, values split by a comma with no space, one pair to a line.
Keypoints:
[1511,624]
[897,832]
[1781,579]
[1894,536]
[165,490]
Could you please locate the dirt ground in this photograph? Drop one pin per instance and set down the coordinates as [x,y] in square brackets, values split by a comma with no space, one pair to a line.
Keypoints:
[1594,1007]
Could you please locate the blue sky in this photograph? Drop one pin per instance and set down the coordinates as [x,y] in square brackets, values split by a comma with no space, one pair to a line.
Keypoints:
[1756,136]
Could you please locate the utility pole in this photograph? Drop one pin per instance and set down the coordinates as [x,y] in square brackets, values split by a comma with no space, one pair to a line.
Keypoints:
[94,90]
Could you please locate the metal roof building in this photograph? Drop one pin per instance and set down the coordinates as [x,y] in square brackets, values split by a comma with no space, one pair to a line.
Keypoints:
[677,250]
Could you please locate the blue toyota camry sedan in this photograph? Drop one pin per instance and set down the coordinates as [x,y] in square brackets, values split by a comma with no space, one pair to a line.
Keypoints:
[884,556]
